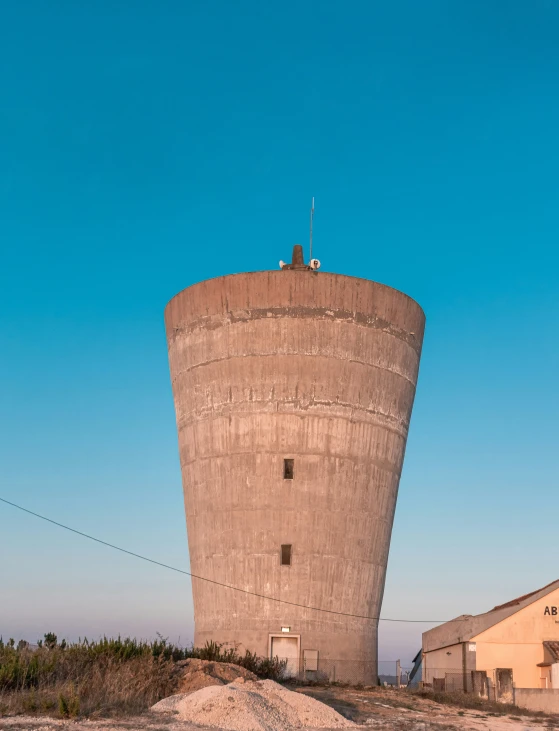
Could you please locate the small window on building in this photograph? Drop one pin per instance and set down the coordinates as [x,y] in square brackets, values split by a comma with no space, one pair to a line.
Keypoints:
[288,469]
[286,555]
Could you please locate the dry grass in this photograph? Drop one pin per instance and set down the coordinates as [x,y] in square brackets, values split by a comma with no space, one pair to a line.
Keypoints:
[105,678]
[472,701]
[107,686]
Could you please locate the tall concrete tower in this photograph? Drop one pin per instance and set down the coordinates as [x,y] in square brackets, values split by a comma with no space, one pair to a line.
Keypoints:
[293,392]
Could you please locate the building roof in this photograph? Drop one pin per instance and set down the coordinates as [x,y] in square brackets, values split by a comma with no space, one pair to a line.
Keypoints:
[520,599]
[467,626]
[552,646]
[415,675]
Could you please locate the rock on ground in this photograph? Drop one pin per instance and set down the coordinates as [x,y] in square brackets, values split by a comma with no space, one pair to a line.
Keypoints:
[261,705]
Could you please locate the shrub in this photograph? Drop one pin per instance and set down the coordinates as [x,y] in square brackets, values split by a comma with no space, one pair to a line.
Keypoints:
[63,706]
[51,640]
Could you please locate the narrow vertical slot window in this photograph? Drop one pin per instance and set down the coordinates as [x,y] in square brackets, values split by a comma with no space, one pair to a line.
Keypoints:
[286,555]
[288,465]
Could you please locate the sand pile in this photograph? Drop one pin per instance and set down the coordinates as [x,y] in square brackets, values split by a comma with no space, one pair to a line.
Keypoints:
[262,705]
[194,674]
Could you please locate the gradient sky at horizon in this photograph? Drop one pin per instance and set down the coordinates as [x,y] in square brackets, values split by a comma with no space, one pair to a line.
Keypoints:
[146,146]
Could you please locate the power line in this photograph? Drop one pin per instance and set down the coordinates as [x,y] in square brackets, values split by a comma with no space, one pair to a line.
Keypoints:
[217,583]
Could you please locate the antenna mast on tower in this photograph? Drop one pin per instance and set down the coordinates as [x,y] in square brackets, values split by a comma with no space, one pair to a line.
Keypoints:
[312,216]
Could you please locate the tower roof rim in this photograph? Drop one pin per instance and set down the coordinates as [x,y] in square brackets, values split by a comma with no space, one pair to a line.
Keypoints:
[297,272]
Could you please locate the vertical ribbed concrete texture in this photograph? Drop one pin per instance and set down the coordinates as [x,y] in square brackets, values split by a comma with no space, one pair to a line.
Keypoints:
[310,366]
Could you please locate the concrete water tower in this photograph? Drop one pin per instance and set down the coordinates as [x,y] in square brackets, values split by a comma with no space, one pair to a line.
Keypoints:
[293,392]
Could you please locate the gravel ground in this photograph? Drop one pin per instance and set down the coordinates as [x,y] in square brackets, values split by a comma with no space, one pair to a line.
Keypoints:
[149,722]
[384,709]
[387,708]
[260,705]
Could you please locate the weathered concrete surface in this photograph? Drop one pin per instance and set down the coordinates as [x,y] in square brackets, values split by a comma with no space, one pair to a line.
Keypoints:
[312,366]
[537,699]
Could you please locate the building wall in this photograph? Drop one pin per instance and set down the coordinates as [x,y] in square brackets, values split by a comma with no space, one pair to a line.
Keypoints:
[537,700]
[438,663]
[316,367]
[516,642]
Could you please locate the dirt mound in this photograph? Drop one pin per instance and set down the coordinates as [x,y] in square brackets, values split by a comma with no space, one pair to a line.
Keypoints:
[195,674]
[261,705]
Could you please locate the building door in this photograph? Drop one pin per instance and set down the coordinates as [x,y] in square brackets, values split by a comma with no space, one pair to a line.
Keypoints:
[479,683]
[287,648]
[503,677]
[545,676]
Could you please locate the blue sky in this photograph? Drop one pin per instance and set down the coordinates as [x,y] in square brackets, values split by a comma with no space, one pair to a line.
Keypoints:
[146,146]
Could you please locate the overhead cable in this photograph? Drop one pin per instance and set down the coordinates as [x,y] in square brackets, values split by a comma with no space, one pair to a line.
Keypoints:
[219,583]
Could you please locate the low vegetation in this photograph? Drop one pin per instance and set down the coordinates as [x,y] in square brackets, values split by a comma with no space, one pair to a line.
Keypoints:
[105,677]
[474,702]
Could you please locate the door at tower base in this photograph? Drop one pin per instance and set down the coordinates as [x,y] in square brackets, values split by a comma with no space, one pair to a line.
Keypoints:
[293,393]
[286,649]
